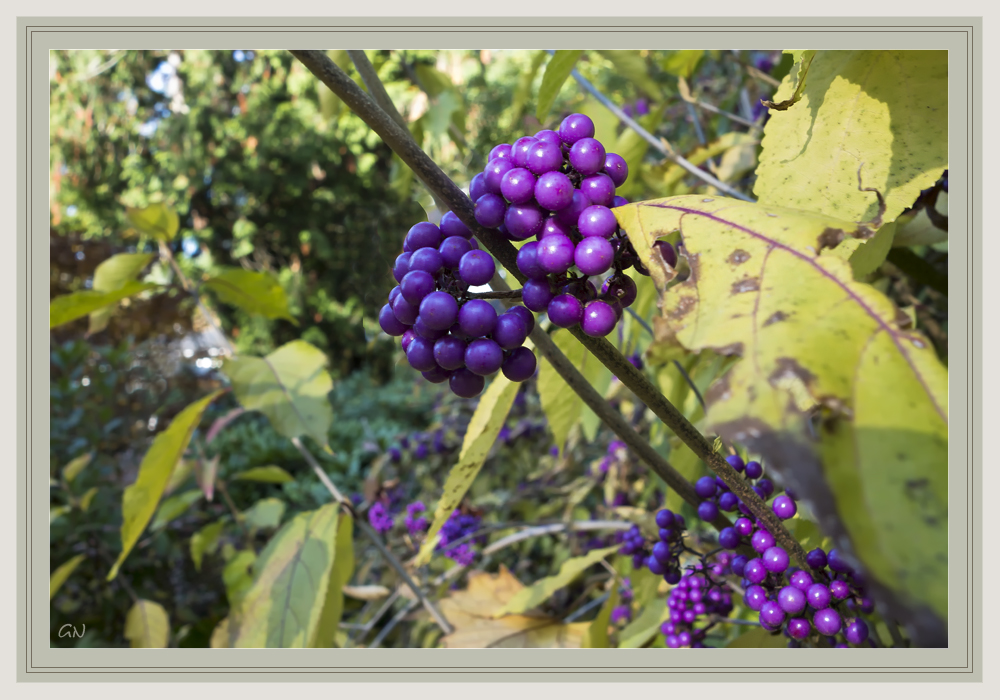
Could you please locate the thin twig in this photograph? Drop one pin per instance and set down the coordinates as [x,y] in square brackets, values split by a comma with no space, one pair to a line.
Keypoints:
[655,143]
[391,625]
[580,526]
[584,609]
[728,115]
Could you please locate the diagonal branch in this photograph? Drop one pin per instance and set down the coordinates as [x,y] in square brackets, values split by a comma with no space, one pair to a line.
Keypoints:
[400,141]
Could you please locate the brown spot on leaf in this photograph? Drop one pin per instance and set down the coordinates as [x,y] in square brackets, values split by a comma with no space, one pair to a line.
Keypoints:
[774,318]
[683,307]
[718,391]
[787,368]
[738,256]
[747,284]
[731,349]
[830,238]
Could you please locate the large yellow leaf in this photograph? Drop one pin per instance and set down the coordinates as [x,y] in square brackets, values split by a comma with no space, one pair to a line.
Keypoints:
[811,338]
[289,386]
[141,498]
[147,625]
[343,569]
[252,291]
[489,418]
[886,109]
[471,614]
[283,606]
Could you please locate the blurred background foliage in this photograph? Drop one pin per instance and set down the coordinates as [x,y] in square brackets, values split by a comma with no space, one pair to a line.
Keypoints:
[269,171]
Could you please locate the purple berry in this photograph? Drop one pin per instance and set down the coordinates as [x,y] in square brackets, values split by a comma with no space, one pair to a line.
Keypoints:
[816,558]
[420,354]
[421,328]
[661,552]
[500,151]
[616,168]
[452,249]
[856,632]
[738,564]
[771,614]
[476,267]
[767,486]
[553,226]
[565,310]
[423,235]
[736,462]
[655,567]
[728,501]
[526,316]
[762,540]
[743,526]
[549,136]
[477,186]
[792,600]
[594,255]
[599,319]
[827,621]
[775,560]
[818,596]
[495,170]
[839,590]
[665,518]
[401,266]
[587,156]
[477,318]
[705,487]
[466,384]
[490,210]
[838,563]
[783,507]
[389,323]
[436,375]
[596,220]
[509,332]
[404,311]
[544,157]
[451,225]
[536,295]
[518,185]
[801,580]
[667,252]
[619,201]
[520,365]
[754,470]
[426,259]
[599,189]
[576,127]
[527,262]
[754,571]
[439,310]
[554,191]
[621,288]
[520,151]
[415,285]
[754,597]
[449,352]
[407,338]
[672,577]
[555,254]
[729,538]
[524,220]
[798,628]
[483,357]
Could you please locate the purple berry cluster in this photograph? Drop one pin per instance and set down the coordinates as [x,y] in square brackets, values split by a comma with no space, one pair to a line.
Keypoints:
[459,527]
[448,335]
[717,495]
[379,518]
[697,597]
[663,557]
[416,524]
[559,186]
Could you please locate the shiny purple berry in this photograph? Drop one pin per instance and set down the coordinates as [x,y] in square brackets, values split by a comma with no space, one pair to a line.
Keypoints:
[784,507]
[827,621]
[565,310]
[520,365]
[466,384]
[483,357]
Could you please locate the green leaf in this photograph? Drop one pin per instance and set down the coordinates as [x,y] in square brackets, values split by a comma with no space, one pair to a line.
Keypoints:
[268,475]
[237,576]
[141,498]
[75,466]
[633,148]
[433,81]
[885,109]
[596,636]
[157,220]
[283,606]
[174,507]
[57,512]
[87,497]
[759,638]
[59,576]
[205,541]
[681,63]
[542,590]
[698,156]
[147,625]
[803,59]
[340,575]
[632,66]
[563,407]
[113,274]
[290,386]
[522,93]
[254,292]
[489,418]
[559,67]
[643,628]
[69,307]
[815,339]
[265,514]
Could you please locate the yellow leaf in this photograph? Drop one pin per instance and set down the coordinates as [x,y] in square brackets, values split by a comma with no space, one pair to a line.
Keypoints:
[542,590]
[59,576]
[113,274]
[253,291]
[268,475]
[343,568]
[147,625]
[71,470]
[157,220]
[597,634]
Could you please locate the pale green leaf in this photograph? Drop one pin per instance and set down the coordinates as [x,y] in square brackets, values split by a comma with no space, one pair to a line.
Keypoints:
[522,93]
[147,625]
[69,307]
[563,407]
[59,576]
[237,576]
[633,148]
[885,109]
[205,541]
[283,606]
[723,144]
[289,386]
[759,638]
[643,628]
[557,70]
[87,497]
[540,591]
[485,425]
[268,475]
[173,507]
[141,498]
[75,466]
[255,292]
[265,514]
[433,81]
[916,228]
[597,634]
[56,512]
[343,569]
[632,66]
[113,274]
[157,220]
[681,63]
[814,338]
